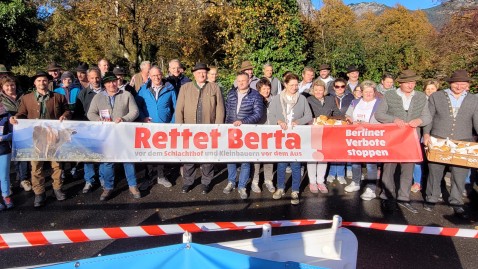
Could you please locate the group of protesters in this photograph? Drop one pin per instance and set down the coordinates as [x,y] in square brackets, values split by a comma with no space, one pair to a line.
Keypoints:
[96,94]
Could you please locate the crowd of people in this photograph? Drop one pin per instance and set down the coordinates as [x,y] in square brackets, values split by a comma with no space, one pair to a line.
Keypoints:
[151,96]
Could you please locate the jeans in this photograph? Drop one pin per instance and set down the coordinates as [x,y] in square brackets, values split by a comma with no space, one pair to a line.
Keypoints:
[357,172]
[243,175]
[417,173]
[107,172]
[89,169]
[337,169]
[295,175]
[5,174]
[22,170]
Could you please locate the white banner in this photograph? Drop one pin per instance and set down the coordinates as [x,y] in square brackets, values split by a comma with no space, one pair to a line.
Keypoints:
[86,141]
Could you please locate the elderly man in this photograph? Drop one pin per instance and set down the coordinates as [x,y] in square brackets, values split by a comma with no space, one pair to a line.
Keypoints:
[83,102]
[276,85]
[125,110]
[455,114]
[156,101]
[46,105]
[308,75]
[54,70]
[104,66]
[199,102]
[176,76]
[81,74]
[142,77]
[243,106]
[406,108]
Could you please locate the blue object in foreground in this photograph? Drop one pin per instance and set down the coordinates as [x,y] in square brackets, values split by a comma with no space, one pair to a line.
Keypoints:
[187,255]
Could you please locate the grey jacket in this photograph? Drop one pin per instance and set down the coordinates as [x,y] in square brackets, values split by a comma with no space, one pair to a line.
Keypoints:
[124,107]
[391,108]
[445,125]
[302,114]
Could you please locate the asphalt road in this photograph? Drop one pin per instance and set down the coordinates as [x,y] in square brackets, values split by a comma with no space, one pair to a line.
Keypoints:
[159,205]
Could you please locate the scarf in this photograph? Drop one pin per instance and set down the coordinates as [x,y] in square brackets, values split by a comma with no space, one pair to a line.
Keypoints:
[285,102]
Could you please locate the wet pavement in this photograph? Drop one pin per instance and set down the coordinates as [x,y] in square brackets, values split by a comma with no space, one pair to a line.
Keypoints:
[160,205]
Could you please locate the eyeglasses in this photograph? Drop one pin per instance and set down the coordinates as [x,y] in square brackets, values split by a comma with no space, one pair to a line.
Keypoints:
[340,87]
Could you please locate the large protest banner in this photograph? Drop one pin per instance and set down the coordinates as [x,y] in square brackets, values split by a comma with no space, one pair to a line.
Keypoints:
[149,142]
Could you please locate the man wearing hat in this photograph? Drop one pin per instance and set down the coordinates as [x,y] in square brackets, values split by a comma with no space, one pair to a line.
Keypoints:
[406,108]
[247,68]
[324,75]
[353,75]
[176,76]
[81,75]
[54,70]
[46,105]
[123,85]
[125,110]
[199,102]
[455,114]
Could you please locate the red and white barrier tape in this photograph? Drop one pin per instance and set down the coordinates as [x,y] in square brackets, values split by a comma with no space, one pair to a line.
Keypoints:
[28,239]
[443,231]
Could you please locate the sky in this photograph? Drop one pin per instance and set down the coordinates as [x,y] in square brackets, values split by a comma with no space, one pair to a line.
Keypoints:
[410,4]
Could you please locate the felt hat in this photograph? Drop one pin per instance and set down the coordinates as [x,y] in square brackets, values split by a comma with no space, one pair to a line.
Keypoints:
[407,76]
[246,65]
[82,67]
[459,76]
[119,71]
[200,66]
[324,67]
[109,76]
[42,74]
[53,66]
[352,68]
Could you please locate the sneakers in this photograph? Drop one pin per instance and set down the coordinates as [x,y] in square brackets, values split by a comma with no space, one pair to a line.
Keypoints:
[255,187]
[106,195]
[294,198]
[59,194]
[352,187]
[87,187]
[242,193]
[288,170]
[368,194]
[330,179]
[278,194]
[270,186]
[165,182]
[416,187]
[229,187]
[322,188]
[313,188]
[135,192]
[8,202]
[26,185]
[341,180]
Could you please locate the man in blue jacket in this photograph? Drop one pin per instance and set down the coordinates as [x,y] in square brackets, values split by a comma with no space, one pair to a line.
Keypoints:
[157,101]
[243,106]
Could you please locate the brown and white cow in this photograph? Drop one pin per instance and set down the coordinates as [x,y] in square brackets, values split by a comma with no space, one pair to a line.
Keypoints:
[47,140]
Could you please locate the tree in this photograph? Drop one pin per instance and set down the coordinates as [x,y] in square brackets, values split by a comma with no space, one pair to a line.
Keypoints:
[19,27]
[334,37]
[261,31]
[397,39]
